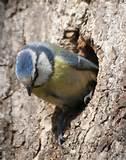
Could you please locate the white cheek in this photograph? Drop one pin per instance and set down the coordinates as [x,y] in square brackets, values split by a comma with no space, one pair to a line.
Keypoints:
[44,69]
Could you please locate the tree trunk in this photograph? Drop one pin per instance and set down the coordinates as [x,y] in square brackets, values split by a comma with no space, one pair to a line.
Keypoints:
[99,132]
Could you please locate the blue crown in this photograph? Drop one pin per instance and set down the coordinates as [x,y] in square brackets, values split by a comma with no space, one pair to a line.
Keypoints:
[24,64]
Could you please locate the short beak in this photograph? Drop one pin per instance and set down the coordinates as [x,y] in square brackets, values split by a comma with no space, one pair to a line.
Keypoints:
[29,89]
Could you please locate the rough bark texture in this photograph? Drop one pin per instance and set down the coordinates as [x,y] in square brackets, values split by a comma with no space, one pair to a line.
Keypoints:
[99,132]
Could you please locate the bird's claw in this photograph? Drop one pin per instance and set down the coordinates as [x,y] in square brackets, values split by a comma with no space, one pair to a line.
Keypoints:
[88,97]
[61,139]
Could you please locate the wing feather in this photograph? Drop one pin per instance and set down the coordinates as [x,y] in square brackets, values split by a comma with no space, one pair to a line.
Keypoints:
[77,61]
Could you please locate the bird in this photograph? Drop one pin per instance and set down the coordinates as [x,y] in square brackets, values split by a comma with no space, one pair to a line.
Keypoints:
[56,75]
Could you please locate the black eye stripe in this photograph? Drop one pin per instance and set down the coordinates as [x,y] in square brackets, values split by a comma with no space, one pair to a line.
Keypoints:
[36,71]
[36,75]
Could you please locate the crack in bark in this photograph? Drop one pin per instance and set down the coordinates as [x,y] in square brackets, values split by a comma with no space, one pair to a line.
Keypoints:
[23,32]
[14,11]
[38,150]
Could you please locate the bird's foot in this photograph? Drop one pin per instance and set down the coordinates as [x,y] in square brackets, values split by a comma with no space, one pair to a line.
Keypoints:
[61,139]
[88,97]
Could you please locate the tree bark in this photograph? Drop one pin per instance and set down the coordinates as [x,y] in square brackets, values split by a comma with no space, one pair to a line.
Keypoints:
[99,132]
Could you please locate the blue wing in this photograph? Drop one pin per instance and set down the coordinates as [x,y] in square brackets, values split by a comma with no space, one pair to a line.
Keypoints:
[77,61]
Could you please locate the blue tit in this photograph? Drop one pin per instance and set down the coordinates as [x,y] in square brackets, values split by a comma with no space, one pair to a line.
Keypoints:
[55,75]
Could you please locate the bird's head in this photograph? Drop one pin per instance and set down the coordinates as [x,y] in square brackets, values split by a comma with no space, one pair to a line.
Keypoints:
[32,69]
